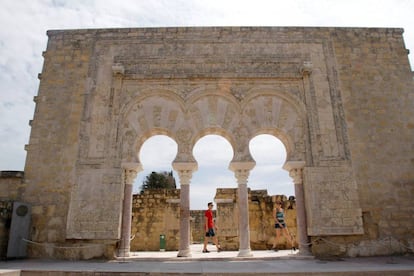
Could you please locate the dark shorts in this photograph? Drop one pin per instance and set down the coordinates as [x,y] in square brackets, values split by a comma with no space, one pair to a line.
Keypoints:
[277,226]
[210,232]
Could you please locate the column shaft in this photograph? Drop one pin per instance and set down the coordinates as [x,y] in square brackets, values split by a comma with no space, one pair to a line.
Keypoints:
[130,172]
[241,171]
[244,230]
[301,220]
[124,246]
[184,250]
[185,172]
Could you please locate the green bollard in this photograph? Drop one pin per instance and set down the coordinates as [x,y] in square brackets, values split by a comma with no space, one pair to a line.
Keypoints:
[162,242]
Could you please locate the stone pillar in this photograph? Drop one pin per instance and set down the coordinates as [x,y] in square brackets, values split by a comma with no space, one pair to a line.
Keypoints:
[185,172]
[241,171]
[295,169]
[130,172]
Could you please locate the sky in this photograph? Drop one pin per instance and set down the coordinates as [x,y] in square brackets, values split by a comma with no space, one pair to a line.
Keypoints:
[23,26]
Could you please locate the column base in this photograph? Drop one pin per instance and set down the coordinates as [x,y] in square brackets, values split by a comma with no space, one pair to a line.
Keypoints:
[304,252]
[245,253]
[123,252]
[184,253]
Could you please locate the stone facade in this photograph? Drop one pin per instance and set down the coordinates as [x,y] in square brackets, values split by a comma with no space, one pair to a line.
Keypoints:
[340,99]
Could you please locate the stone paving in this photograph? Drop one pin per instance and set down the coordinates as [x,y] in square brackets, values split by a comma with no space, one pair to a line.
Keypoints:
[265,262]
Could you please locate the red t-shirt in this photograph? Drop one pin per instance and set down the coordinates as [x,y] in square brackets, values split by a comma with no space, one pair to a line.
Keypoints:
[209,215]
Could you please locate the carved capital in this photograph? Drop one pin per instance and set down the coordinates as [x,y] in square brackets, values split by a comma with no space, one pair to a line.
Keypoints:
[242,170]
[118,70]
[296,175]
[185,171]
[306,68]
[130,176]
[130,171]
[295,169]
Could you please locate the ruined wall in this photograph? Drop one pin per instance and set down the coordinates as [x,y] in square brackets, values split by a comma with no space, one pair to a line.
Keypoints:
[157,212]
[261,221]
[340,99]
[11,183]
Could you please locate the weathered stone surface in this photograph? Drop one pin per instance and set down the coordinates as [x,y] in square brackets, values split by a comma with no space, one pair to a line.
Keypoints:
[333,96]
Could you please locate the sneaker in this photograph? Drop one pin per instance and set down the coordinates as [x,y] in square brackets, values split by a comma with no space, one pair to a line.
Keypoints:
[219,249]
[206,251]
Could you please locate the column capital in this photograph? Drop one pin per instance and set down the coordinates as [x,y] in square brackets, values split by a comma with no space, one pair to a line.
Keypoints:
[295,170]
[131,171]
[241,170]
[118,70]
[306,68]
[185,171]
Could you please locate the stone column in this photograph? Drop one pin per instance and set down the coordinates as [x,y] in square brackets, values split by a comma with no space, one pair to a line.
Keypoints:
[130,172]
[295,169]
[241,171]
[185,172]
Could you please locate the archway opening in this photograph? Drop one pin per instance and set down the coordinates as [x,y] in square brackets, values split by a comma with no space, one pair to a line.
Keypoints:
[270,155]
[213,154]
[157,154]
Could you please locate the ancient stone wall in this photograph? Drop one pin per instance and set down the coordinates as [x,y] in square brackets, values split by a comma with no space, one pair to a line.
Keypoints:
[340,99]
[157,212]
[11,183]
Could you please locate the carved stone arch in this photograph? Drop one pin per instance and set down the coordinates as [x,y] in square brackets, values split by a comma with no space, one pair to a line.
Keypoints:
[280,113]
[152,91]
[211,108]
[150,113]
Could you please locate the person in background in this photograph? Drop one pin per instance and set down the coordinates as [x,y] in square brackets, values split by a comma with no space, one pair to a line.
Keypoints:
[209,228]
[280,226]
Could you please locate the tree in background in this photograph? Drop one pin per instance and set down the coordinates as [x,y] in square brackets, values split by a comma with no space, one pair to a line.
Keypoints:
[159,180]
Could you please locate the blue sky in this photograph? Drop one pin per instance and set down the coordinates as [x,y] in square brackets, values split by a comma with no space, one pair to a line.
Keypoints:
[23,38]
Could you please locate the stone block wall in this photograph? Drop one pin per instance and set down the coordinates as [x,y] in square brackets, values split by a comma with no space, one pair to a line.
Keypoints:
[11,183]
[261,221]
[157,212]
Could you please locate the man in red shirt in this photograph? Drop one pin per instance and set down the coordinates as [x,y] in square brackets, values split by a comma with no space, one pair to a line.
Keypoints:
[209,228]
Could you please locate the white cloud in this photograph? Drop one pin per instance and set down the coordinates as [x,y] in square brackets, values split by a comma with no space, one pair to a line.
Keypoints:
[23,38]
